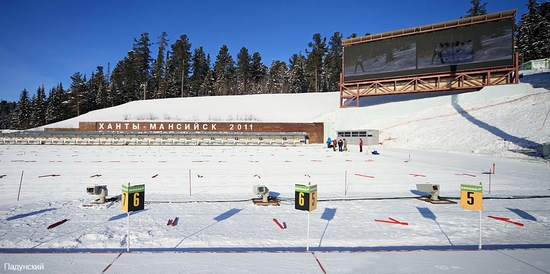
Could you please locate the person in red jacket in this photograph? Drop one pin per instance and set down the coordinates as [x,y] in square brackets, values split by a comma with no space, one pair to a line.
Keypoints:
[360,145]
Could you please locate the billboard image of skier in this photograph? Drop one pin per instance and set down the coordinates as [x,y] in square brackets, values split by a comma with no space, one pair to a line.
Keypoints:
[485,45]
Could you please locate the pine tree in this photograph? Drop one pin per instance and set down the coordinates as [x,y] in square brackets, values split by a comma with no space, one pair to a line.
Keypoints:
[141,57]
[243,70]
[476,9]
[278,78]
[179,65]
[199,81]
[207,87]
[32,103]
[533,37]
[77,92]
[298,76]
[7,109]
[118,82]
[333,62]
[98,83]
[89,98]
[156,84]
[22,117]
[56,107]
[224,73]
[314,64]
[544,10]
[258,74]
[125,85]
[38,113]
[52,106]
[544,27]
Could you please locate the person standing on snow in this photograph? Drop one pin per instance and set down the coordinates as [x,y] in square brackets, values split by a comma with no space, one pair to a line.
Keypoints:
[360,145]
[345,145]
[340,143]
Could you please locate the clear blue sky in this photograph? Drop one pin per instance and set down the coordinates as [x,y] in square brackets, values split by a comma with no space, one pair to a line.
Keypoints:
[45,42]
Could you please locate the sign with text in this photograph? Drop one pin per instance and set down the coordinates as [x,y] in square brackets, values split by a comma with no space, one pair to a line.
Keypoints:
[305,197]
[133,197]
[471,197]
[128,126]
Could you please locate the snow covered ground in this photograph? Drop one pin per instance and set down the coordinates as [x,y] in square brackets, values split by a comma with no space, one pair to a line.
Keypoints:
[221,231]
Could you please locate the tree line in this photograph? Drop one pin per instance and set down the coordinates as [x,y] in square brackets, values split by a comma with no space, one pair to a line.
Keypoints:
[177,70]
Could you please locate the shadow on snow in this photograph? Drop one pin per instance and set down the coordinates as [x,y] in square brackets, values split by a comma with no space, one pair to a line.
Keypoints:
[224,216]
[528,145]
[19,216]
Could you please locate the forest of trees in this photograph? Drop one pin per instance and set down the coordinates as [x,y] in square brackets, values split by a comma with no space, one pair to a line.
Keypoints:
[177,70]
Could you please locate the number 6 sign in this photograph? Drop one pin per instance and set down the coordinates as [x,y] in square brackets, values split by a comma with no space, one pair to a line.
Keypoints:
[471,197]
[133,197]
[306,197]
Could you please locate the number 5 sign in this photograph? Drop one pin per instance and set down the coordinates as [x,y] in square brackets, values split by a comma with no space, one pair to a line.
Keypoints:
[133,197]
[471,197]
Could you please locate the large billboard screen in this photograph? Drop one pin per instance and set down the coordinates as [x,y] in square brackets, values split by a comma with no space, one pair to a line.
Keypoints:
[489,44]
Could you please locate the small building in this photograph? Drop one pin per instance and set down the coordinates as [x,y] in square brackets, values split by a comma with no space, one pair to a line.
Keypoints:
[370,136]
[534,64]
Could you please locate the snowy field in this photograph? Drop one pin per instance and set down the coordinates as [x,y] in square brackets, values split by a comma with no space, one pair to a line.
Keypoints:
[209,189]
[221,231]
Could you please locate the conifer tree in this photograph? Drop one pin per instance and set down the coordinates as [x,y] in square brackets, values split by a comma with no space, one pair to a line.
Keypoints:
[333,62]
[141,58]
[180,66]
[476,9]
[22,117]
[89,95]
[278,78]
[156,84]
[243,71]
[224,72]
[98,82]
[77,92]
[57,107]
[7,109]
[258,73]
[207,87]
[199,82]
[52,107]
[38,113]
[117,83]
[124,83]
[314,64]
[32,102]
[298,76]
[533,37]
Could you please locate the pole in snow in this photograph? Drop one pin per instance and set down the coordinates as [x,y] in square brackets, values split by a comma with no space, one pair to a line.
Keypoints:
[128,229]
[20,183]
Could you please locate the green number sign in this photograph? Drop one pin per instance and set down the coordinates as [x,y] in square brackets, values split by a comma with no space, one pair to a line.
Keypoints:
[305,197]
[133,198]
